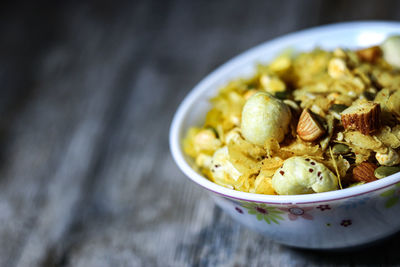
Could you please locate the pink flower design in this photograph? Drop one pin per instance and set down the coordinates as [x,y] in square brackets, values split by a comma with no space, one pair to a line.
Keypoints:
[294,212]
[346,223]
[239,210]
[324,207]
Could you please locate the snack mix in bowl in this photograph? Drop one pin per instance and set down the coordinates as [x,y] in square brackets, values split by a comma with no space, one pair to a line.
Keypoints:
[305,123]
[302,146]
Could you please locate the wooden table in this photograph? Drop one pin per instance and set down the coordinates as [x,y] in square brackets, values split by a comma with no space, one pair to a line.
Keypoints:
[88,92]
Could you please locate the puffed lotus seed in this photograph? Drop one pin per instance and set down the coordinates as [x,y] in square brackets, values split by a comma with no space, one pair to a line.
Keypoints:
[390,158]
[391,50]
[300,175]
[264,117]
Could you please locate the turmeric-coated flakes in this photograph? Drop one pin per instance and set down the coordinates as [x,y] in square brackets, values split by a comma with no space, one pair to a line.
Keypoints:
[254,139]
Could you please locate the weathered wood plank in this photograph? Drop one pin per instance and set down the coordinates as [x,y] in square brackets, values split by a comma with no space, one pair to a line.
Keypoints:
[56,136]
[145,166]
[146,229]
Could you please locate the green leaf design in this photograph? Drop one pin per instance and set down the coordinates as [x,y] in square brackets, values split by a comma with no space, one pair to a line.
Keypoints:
[270,215]
[391,202]
[275,212]
[267,220]
[388,193]
[274,220]
[279,217]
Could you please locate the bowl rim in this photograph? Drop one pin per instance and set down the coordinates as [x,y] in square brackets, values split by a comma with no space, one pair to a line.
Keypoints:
[199,89]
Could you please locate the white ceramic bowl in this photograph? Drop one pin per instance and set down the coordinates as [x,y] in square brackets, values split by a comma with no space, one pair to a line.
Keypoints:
[336,219]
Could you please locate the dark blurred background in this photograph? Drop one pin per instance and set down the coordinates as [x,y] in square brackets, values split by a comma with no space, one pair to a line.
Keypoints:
[88,91]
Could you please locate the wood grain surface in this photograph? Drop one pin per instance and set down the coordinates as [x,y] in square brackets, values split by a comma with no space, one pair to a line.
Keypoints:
[88,92]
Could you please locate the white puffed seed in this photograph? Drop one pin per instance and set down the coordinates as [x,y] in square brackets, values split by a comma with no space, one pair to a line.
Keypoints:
[204,161]
[272,84]
[300,175]
[317,110]
[222,167]
[340,136]
[249,93]
[337,68]
[333,96]
[235,120]
[265,117]
[310,96]
[338,52]
[390,158]
[280,64]
[233,136]
[292,104]
[391,50]
[206,140]
[352,94]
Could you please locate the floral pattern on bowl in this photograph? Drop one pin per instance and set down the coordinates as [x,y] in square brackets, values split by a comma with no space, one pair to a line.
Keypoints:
[326,224]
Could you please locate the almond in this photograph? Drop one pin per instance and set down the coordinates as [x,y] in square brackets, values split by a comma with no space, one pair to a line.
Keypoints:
[363,117]
[308,127]
[370,54]
[364,172]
